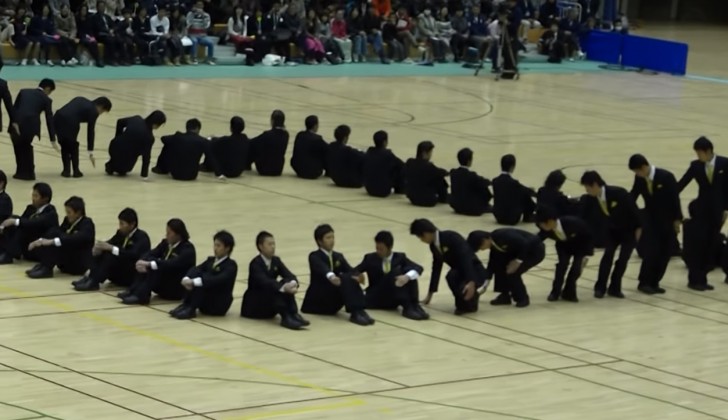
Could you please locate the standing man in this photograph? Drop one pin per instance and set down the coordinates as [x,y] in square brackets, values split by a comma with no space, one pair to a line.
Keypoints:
[619,209]
[67,122]
[659,191]
[29,104]
[134,137]
[7,100]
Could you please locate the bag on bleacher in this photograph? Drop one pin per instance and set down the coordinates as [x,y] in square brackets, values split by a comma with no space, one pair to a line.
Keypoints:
[186,41]
[272,60]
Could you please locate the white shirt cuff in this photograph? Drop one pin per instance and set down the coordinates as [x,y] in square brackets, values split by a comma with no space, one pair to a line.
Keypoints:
[330,275]
[115,251]
[412,275]
[518,261]
[282,288]
[57,241]
[153,264]
[17,222]
[197,281]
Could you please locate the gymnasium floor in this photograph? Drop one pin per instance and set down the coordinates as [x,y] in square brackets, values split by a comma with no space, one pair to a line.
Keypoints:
[67,355]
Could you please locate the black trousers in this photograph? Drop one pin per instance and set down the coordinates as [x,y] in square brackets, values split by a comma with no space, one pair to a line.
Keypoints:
[327,299]
[14,243]
[108,266]
[92,47]
[162,165]
[260,304]
[24,157]
[514,282]
[527,208]
[657,251]
[456,283]
[198,298]
[625,241]
[571,262]
[458,45]
[165,286]
[65,259]
[388,296]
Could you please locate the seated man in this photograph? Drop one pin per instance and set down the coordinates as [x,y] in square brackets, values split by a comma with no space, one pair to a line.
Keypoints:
[392,279]
[344,163]
[210,284]
[470,191]
[383,171]
[116,258]
[68,247]
[309,151]
[6,203]
[268,150]
[134,138]
[271,287]
[424,182]
[16,233]
[230,152]
[553,43]
[161,269]
[511,200]
[181,154]
[334,283]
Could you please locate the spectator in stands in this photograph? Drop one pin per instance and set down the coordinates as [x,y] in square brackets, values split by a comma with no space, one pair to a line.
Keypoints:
[552,43]
[382,8]
[237,30]
[530,18]
[589,8]
[405,27]
[311,45]
[85,34]
[571,29]
[40,33]
[289,30]
[430,36]
[20,39]
[548,12]
[258,31]
[142,28]
[198,22]
[459,37]
[358,36]
[389,36]
[159,29]
[480,38]
[115,8]
[177,33]
[57,5]
[550,195]
[470,191]
[618,27]
[383,170]
[66,30]
[425,183]
[373,30]
[105,33]
[341,35]
[124,31]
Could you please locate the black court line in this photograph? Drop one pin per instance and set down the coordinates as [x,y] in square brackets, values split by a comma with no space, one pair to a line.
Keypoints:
[38,414]
[32,418]
[79,311]
[37,296]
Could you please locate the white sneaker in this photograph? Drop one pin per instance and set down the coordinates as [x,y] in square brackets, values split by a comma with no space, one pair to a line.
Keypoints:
[24,62]
[73,61]
[35,62]
[50,63]
[581,55]
[571,59]
[63,63]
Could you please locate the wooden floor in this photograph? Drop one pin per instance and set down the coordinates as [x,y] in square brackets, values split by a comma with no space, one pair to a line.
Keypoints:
[68,355]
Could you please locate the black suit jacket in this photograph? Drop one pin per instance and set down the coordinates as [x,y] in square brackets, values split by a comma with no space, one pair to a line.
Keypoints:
[261,298]
[383,172]
[508,195]
[373,266]
[623,212]
[556,200]
[34,225]
[134,138]
[510,244]
[579,238]
[69,117]
[29,104]
[455,252]
[423,180]
[133,249]
[268,151]
[712,195]
[663,204]
[102,24]
[218,281]
[232,154]
[77,241]
[6,205]
[309,155]
[184,152]
[470,192]
[318,262]
[345,165]
[179,261]
[7,100]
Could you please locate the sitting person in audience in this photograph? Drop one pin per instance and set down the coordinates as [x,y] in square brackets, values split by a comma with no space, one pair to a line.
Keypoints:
[6,203]
[68,247]
[373,29]
[548,12]
[429,35]
[177,32]
[124,29]
[553,43]
[237,30]
[309,151]
[85,30]
[104,32]
[530,18]
[571,28]
[480,38]
[159,31]
[459,37]
[230,152]
[210,285]
[16,233]
[620,28]
[341,35]
[425,183]
[512,202]
[116,258]
[383,170]
[470,191]
[181,154]
[395,47]
[344,163]
[65,25]
[393,279]
[550,195]
[134,138]
[198,22]
[268,150]
[161,269]
[271,287]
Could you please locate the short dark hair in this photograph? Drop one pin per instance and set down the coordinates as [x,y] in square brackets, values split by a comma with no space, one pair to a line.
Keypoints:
[226,238]
[193,124]
[237,125]
[321,231]
[476,238]
[591,178]
[637,161]
[44,190]
[385,238]
[341,133]
[76,204]
[156,118]
[465,156]
[261,237]
[47,84]
[102,101]
[3,179]
[419,227]
[129,215]
[380,139]
[508,162]
[555,179]
[178,226]
[278,118]
[703,144]
[424,147]
[311,122]
[545,213]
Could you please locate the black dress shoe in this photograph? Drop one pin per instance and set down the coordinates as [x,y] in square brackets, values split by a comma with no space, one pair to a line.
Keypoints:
[34,268]
[290,323]
[360,318]
[523,303]
[423,314]
[66,174]
[708,287]
[461,311]
[502,299]
[553,297]
[122,295]
[369,319]
[79,281]
[648,290]
[411,313]
[86,286]
[78,174]
[659,290]
[697,287]
[41,272]
[24,177]
[177,309]
[6,259]
[301,320]
[186,313]
[570,298]
[599,294]
[134,300]
[615,294]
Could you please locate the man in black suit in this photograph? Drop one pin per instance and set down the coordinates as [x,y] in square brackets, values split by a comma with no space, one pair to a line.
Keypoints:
[67,247]
[467,277]
[392,279]
[271,287]
[210,285]
[309,151]
[67,122]
[619,209]
[470,191]
[695,248]
[383,170]
[28,106]
[7,99]
[425,183]
[512,253]
[116,258]
[232,153]
[659,191]
[710,171]
[345,165]
[181,154]
[512,201]
[334,283]
[268,150]
[161,269]
[6,203]
[134,138]
[16,233]
[574,246]
[103,27]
